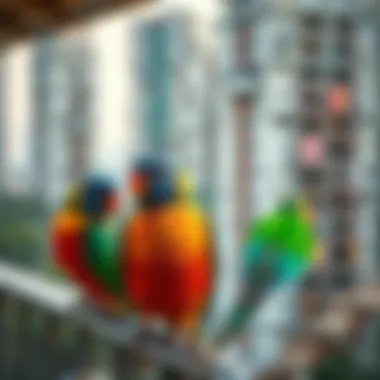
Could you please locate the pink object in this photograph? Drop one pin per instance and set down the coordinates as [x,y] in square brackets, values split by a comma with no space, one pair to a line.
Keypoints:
[311,149]
[338,99]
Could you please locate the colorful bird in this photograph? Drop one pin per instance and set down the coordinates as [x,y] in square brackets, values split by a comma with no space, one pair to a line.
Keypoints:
[85,243]
[168,250]
[277,250]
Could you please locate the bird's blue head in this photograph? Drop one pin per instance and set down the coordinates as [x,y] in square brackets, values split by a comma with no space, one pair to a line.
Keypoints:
[99,196]
[152,182]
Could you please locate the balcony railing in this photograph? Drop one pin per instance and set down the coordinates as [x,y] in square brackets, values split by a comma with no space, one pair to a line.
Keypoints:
[46,332]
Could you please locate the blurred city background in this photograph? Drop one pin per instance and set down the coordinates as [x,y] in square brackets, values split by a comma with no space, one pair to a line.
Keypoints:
[258,99]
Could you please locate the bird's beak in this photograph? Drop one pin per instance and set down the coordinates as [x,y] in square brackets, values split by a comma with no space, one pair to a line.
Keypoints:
[112,202]
[184,185]
[74,197]
[137,183]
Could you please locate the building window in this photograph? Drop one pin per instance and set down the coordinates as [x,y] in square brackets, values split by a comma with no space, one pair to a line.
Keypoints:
[310,122]
[312,97]
[340,123]
[343,199]
[312,22]
[311,73]
[311,177]
[342,225]
[345,25]
[342,75]
[344,49]
[341,251]
[340,150]
[311,47]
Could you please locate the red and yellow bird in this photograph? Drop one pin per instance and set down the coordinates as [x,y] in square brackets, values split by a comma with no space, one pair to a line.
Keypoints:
[70,248]
[168,254]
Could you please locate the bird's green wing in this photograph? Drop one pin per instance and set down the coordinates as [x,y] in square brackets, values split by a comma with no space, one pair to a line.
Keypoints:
[260,277]
[103,253]
[260,268]
[298,238]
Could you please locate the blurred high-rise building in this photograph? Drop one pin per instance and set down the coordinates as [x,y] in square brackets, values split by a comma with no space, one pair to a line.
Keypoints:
[2,126]
[255,150]
[298,110]
[176,79]
[155,68]
[336,123]
[61,95]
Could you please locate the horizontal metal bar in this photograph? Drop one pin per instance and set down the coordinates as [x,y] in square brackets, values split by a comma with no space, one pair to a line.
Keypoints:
[65,301]
[33,288]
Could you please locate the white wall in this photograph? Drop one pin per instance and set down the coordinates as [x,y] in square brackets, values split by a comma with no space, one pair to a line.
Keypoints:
[114,103]
[17,115]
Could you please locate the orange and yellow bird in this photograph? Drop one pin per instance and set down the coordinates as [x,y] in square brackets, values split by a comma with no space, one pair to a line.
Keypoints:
[168,254]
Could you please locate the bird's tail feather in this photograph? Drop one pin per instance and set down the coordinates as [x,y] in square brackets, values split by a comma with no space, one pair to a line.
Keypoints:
[238,319]
[257,284]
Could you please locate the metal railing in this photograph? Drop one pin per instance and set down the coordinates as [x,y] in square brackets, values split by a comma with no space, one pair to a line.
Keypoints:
[46,332]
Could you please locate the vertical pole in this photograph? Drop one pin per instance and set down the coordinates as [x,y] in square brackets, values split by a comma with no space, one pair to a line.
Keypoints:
[2,124]
[173,374]
[20,363]
[376,13]
[86,347]
[3,336]
[124,363]
[50,348]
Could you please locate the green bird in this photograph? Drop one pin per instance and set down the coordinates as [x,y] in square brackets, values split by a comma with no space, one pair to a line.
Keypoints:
[277,250]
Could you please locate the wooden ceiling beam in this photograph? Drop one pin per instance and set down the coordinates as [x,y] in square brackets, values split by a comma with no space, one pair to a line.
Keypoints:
[11,22]
[20,16]
[23,18]
[73,4]
[43,8]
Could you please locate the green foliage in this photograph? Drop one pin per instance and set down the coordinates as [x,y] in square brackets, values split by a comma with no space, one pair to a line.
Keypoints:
[21,241]
[25,207]
[22,230]
[336,366]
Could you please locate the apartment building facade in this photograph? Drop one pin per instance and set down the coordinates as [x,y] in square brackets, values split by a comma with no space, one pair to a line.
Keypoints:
[298,113]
